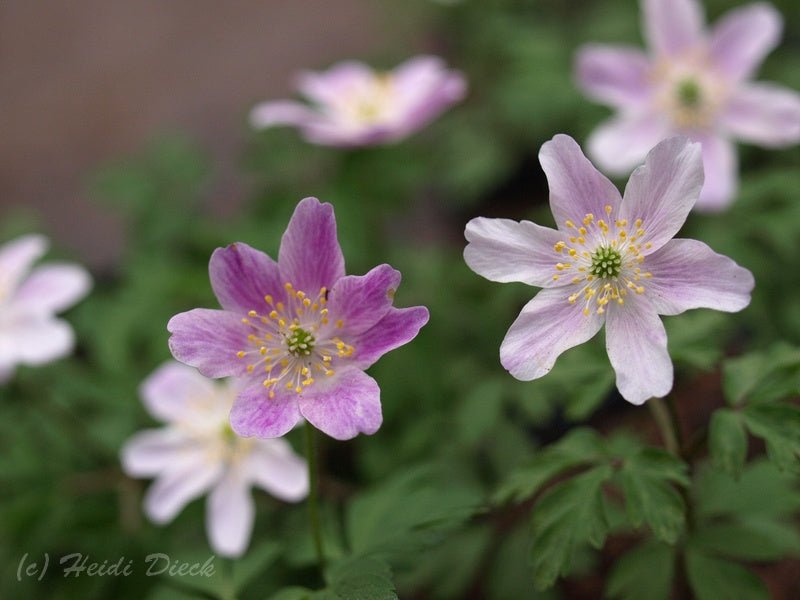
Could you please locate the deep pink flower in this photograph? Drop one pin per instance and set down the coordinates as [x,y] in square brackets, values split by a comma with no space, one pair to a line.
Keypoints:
[197,453]
[299,331]
[612,260]
[692,83]
[352,105]
[30,333]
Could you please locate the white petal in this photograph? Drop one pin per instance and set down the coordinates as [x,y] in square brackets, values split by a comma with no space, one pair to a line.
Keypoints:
[547,326]
[152,451]
[637,348]
[16,259]
[688,274]
[663,191]
[177,393]
[721,174]
[622,143]
[764,114]
[743,37]
[53,288]
[33,340]
[276,468]
[672,26]
[615,75]
[230,514]
[187,479]
[504,250]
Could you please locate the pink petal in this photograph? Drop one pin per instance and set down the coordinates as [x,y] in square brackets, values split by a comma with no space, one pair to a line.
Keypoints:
[576,187]
[622,143]
[345,406]
[721,174]
[504,250]
[663,191]
[274,467]
[34,340]
[209,340]
[255,414]
[615,75]
[398,327]
[637,348]
[764,114]
[230,514]
[152,451]
[362,301]
[282,112]
[547,326]
[188,478]
[688,274]
[175,393]
[53,288]
[310,256]
[17,258]
[241,276]
[672,26]
[743,37]
[329,86]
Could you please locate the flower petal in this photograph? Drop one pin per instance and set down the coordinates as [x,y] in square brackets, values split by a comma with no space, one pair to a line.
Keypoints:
[504,250]
[764,114]
[282,112]
[17,258]
[310,256]
[615,75]
[398,327]
[361,301]
[576,187]
[186,480]
[622,143]
[241,276]
[663,191]
[688,274]
[53,288]
[345,406]
[672,26]
[209,340]
[177,393]
[34,340]
[743,37]
[230,513]
[153,451]
[329,86]
[637,348]
[274,467]
[255,414]
[721,174]
[547,326]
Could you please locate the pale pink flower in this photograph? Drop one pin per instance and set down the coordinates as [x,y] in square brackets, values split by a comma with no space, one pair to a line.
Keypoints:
[692,82]
[198,453]
[30,298]
[611,261]
[352,105]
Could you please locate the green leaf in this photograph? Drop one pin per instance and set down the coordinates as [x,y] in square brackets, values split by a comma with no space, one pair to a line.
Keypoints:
[294,593]
[568,516]
[362,578]
[754,539]
[643,573]
[650,496]
[727,440]
[579,447]
[713,578]
[762,376]
[254,562]
[779,426]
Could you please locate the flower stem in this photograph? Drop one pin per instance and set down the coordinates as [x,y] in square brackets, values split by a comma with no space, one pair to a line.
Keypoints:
[313,495]
[667,424]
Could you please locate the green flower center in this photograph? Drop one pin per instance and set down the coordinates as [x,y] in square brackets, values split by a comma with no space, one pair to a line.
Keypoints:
[300,342]
[689,93]
[606,262]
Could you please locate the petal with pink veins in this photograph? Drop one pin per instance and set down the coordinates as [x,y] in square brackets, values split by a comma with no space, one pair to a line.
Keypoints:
[361,301]
[637,348]
[398,327]
[241,276]
[255,414]
[547,326]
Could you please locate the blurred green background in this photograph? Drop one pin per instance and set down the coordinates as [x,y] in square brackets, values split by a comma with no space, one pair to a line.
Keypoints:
[456,425]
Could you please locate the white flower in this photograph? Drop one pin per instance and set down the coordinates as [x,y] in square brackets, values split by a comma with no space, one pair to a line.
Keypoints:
[197,452]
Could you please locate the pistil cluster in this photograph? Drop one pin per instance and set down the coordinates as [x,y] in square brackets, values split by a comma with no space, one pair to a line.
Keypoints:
[604,258]
[293,341]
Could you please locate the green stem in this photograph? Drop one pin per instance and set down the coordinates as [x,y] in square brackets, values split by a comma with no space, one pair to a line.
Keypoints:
[313,495]
[666,424]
